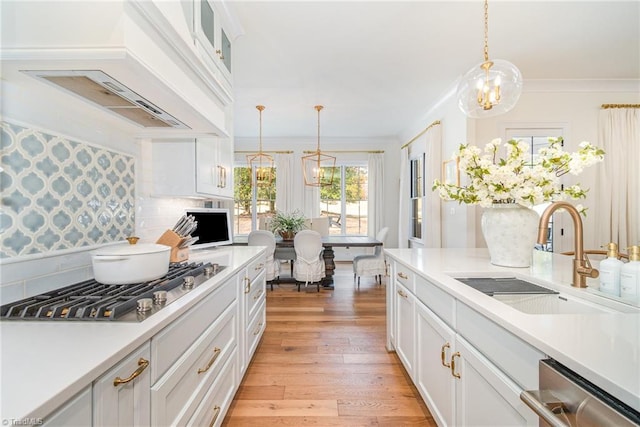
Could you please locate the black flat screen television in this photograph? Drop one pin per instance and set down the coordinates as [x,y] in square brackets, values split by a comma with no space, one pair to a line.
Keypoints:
[214,227]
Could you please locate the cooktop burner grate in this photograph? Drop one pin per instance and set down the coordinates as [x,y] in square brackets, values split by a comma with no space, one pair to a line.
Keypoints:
[90,300]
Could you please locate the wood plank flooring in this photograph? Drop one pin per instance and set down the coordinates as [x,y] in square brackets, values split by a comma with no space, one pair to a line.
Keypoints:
[322,362]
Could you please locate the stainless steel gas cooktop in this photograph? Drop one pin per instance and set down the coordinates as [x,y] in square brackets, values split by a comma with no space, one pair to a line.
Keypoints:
[90,300]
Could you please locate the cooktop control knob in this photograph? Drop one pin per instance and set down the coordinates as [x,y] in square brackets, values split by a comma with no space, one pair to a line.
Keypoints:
[188,282]
[144,304]
[159,297]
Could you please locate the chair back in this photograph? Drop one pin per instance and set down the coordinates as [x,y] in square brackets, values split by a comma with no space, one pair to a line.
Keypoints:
[321,225]
[381,236]
[263,238]
[307,244]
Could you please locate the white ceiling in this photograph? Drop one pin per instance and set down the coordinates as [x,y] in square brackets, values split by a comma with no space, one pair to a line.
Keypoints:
[379,66]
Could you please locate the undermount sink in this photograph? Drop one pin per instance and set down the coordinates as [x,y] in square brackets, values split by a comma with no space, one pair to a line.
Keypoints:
[530,298]
[551,304]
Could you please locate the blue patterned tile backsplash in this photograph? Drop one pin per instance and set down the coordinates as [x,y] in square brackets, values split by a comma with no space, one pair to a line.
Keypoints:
[61,194]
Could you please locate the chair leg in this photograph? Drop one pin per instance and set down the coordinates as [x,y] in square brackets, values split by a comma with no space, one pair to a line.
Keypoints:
[358,281]
[291,265]
[298,285]
[319,285]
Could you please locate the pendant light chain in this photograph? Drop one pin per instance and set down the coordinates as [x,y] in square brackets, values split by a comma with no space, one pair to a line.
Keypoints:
[318,108]
[486,30]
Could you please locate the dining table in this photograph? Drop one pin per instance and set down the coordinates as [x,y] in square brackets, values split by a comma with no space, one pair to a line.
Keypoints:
[284,250]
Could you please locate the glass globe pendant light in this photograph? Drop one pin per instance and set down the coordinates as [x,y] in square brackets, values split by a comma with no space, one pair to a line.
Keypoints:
[492,87]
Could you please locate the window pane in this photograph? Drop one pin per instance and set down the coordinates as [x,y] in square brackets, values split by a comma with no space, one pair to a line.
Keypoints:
[249,199]
[242,200]
[345,201]
[416,218]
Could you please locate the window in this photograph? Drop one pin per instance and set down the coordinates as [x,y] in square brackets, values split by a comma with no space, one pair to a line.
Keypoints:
[538,137]
[416,167]
[251,203]
[345,201]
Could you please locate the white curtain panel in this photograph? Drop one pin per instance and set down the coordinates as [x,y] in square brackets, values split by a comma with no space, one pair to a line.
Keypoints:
[284,182]
[433,203]
[403,209]
[617,211]
[311,196]
[376,194]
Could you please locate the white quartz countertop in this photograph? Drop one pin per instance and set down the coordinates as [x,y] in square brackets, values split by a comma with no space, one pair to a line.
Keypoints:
[603,348]
[42,364]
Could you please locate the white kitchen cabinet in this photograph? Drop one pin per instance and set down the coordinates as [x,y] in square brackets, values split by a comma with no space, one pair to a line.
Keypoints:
[121,395]
[460,385]
[405,304]
[75,413]
[201,167]
[435,344]
[252,287]
[485,396]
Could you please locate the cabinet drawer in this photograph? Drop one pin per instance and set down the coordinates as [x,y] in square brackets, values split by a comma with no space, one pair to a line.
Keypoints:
[121,395]
[76,412]
[512,355]
[172,342]
[256,267]
[216,402]
[405,277]
[255,330]
[257,294]
[438,301]
[175,397]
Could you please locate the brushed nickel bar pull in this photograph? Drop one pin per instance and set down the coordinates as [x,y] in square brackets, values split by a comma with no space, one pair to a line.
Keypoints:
[216,353]
[216,412]
[453,364]
[142,365]
[443,355]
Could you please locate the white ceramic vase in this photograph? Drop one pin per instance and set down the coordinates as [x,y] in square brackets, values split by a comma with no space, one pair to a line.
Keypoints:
[510,231]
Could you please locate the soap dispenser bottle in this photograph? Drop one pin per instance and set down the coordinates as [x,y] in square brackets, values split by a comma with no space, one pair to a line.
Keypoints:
[630,276]
[610,271]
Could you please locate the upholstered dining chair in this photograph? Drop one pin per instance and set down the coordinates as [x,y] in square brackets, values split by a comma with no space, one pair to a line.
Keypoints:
[266,238]
[371,264]
[309,265]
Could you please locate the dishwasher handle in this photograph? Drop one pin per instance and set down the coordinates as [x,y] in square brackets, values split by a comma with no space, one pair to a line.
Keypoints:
[535,402]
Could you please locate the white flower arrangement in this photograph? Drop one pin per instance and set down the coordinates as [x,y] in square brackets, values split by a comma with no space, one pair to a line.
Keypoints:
[515,179]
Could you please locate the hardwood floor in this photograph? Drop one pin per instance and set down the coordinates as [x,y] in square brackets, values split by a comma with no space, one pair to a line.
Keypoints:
[322,362]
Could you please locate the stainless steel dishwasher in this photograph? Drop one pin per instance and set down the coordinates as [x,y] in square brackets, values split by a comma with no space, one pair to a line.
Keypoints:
[565,399]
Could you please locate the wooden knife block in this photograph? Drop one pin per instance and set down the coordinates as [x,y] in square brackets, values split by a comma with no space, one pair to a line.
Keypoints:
[170,238]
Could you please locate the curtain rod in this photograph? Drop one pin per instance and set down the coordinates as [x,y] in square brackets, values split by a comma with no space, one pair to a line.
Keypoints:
[605,106]
[437,122]
[346,151]
[264,151]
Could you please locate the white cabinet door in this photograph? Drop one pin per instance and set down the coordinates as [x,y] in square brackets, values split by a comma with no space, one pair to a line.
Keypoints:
[484,395]
[405,327]
[435,344]
[208,173]
[76,412]
[225,166]
[121,397]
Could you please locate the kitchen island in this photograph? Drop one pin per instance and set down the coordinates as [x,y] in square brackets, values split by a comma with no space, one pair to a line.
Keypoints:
[45,363]
[603,347]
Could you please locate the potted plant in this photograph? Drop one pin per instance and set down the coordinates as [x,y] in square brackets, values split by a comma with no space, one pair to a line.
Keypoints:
[287,224]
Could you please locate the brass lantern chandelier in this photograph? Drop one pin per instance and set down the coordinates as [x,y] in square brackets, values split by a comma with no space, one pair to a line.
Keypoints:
[318,167]
[492,87]
[261,162]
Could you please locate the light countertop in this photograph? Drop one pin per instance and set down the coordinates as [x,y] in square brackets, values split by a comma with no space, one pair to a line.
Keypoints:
[42,364]
[603,348]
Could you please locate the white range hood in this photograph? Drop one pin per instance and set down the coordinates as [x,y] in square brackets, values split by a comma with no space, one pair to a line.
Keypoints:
[133,59]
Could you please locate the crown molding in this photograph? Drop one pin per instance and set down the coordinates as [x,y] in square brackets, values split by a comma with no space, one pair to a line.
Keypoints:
[582,85]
